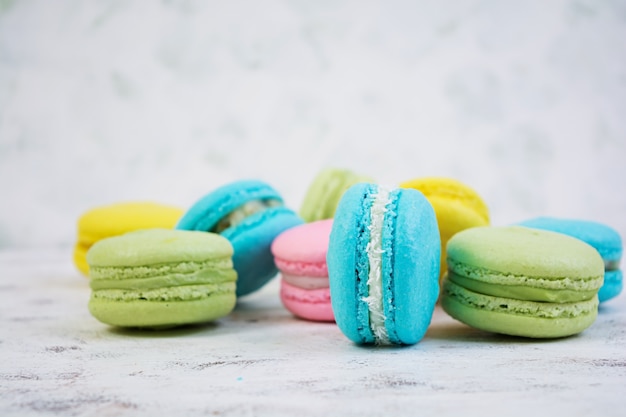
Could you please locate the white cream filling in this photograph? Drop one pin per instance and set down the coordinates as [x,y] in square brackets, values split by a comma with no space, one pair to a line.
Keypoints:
[375,256]
[305,282]
[247,209]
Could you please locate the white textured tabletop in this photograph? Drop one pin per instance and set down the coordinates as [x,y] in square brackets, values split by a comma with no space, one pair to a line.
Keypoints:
[58,360]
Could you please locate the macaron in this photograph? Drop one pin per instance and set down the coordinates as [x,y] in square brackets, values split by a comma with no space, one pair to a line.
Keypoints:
[160,278]
[250,214]
[300,255]
[457,206]
[116,219]
[520,281]
[602,237]
[324,193]
[383,264]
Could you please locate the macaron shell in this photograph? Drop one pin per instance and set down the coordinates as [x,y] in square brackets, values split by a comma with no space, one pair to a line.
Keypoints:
[416,256]
[210,209]
[612,287]
[441,191]
[117,219]
[80,258]
[517,318]
[342,260]
[162,315]
[322,197]
[252,241]
[302,249]
[312,305]
[516,251]
[603,238]
[158,246]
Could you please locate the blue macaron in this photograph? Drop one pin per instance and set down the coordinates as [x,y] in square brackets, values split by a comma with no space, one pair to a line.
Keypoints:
[250,214]
[383,264]
[602,237]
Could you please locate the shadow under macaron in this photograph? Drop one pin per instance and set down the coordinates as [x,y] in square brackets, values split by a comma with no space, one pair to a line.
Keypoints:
[176,331]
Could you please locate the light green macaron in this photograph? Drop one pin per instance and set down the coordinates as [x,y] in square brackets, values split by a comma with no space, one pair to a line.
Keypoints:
[161,278]
[324,193]
[523,282]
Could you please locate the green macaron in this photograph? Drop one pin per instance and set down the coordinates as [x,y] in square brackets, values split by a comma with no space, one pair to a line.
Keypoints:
[324,193]
[161,278]
[520,281]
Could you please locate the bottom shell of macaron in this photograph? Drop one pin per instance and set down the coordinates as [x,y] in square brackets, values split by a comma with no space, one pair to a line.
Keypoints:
[165,311]
[313,304]
[515,317]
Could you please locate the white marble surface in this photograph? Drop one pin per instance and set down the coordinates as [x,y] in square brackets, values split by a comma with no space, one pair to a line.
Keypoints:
[106,101]
[260,361]
[103,101]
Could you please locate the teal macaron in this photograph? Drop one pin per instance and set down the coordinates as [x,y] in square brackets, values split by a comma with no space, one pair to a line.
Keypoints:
[383,264]
[159,278]
[602,237]
[520,281]
[250,214]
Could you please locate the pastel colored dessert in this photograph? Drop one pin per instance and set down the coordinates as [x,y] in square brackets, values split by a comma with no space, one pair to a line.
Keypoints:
[117,219]
[383,264]
[602,237]
[250,214]
[300,254]
[520,281]
[324,193]
[457,206]
[161,278]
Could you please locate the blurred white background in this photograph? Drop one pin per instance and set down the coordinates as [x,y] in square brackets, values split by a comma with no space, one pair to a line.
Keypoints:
[113,101]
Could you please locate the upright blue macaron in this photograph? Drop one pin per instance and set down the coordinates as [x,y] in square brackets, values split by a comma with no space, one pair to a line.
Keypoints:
[250,214]
[383,264]
[602,237]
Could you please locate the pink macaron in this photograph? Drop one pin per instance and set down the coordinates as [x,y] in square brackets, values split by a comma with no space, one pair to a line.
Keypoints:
[300,255]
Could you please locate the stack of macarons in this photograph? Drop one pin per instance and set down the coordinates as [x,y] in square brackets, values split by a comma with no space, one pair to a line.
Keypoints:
[372,258]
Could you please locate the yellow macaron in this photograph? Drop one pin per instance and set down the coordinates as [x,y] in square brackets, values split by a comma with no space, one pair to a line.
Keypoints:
[457,207]
[116,219]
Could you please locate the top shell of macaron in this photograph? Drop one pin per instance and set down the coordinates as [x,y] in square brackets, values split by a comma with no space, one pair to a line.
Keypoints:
[304,243]
[324,193]
[115,219]
[207,212]
[158,246]
[604,238]
[450,190]
[522,251]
